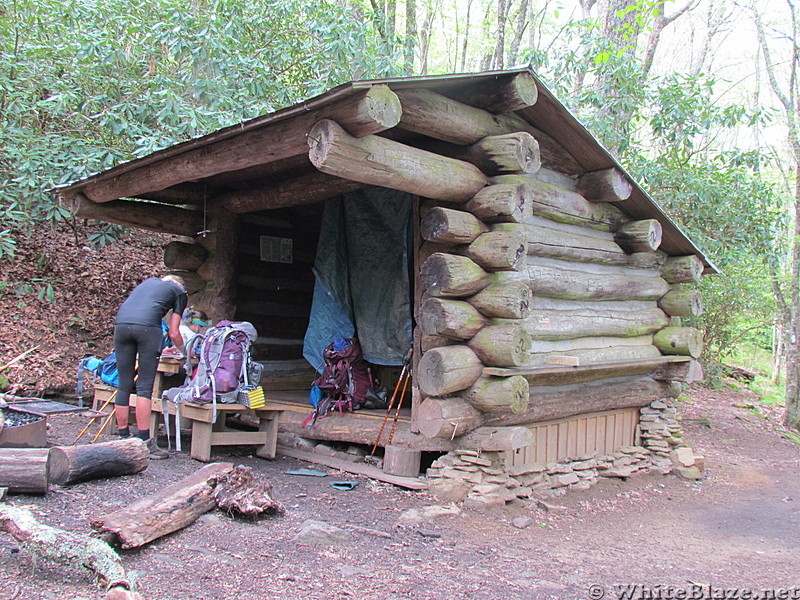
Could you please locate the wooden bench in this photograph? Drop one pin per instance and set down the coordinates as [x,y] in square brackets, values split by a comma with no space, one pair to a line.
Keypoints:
[207,433]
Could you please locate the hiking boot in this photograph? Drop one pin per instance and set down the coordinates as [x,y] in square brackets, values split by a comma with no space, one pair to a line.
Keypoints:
[156,453]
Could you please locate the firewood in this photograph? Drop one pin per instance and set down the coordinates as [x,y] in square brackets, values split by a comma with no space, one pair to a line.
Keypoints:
[240,493]
[73,464]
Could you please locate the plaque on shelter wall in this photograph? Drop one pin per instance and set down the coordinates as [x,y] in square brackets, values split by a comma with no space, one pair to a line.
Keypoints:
[276,249]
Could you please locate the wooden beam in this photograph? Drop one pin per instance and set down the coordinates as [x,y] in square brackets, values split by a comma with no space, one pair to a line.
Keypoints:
[448,369]
[682,269]
[367,112]
[606,185]
[496,154]
[144,215]
[448,226]
[307,189]
[639,236]
[377,161]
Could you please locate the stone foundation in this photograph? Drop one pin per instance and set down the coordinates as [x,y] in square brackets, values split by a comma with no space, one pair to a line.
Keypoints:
[484,479]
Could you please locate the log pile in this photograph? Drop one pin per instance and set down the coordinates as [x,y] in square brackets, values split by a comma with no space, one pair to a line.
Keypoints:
[518,266]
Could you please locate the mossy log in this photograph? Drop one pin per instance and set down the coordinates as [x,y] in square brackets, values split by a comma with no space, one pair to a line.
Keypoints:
[510,300]
[567,245]
[639,236]
[684,341]
[448,226]
[548,403]
[378,161]
[563,205]
[448,275]
[447,417]
[505,153]
[183,256]
[605,185]
[682,269]
[682,303]
[501,203]
[499,250]
[569,324]
[499,395]
[445,370]
[501,345]
[453,319]
[586,356]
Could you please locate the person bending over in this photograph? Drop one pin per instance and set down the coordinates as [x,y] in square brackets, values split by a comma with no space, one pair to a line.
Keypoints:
[137,333]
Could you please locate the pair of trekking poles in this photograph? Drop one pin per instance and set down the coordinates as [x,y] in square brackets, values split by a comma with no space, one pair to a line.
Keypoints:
[402,381]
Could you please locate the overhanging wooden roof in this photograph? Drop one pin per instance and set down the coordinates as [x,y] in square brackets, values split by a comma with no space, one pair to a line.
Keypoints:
[547,114]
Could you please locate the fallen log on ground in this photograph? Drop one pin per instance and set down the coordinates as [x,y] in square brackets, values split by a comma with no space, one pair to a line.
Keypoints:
[73,464]
[166,511]
[25,470]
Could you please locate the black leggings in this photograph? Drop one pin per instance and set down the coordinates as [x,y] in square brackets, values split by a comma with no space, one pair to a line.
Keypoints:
[130,340]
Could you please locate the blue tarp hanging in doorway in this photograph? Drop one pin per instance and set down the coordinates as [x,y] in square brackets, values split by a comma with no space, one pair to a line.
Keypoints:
[361,269]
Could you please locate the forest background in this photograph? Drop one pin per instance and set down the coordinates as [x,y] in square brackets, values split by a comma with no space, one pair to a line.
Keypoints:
[697,98]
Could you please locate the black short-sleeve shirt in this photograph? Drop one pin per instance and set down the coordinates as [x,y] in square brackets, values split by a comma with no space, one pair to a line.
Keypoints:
[150,301]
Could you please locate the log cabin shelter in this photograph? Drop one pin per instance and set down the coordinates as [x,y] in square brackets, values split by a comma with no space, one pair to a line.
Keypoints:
[471,217]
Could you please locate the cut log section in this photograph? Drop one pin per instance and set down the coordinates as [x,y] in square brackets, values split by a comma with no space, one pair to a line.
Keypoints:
[25,470]
[501,203]
[506,153]
[453,319]
[639,236]
[499,250]
[447,418]
[371,111]
[448,275]
[448,226]
[606,185]
[685,341]
[499,395]
[685,372]
[152,216]
[498,439]
[445,370]
[501,345]
[682,303]
[73,464]
[401,462]
[183,256]
[510,300]
[682,269]
[168,510]
[506,94]
[563,205]
[378,161]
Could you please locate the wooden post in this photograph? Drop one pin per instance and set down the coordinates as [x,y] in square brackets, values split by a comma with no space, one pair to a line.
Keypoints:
[682,269]
[453,319]
[447,418]
[448,275]
[499,395]
[501,345]
[375,160]
[445,370]
[501,203]
[404,462]
[73,464]
[510,300]
[448,226]
[685,341]
[639,236]
[25,470]
[682,303]
[605,185]
[144,215]
[183,256]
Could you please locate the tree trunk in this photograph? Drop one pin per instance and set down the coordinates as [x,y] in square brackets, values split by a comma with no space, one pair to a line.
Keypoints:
[606,185]
[170,509]
[510,300]
[501,345]
[453,319]
[442,371]
[448,226]
[447,418]
[378,161]
[25,470]
[499,395]
[639,236]
[73,464]
[447,275]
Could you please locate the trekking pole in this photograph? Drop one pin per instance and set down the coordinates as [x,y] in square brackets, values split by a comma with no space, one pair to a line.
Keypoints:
[95,417]
[103,426]
[399,404]
[389,409]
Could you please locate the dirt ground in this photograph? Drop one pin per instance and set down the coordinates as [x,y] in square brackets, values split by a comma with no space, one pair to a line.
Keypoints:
[737,530]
